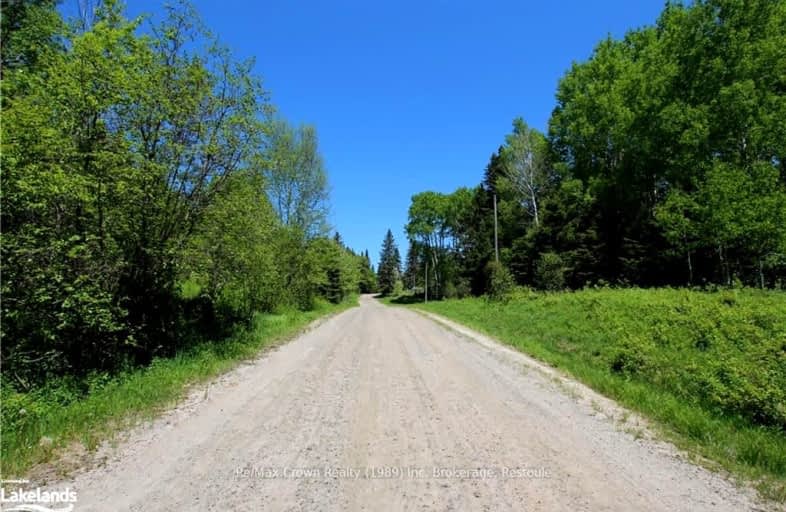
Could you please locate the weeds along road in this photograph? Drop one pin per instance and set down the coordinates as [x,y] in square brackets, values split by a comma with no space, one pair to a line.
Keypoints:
[381,408]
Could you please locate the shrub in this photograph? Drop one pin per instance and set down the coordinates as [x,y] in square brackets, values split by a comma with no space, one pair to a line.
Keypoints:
[500,282]
[457,289]
[550,272]
[449,290]
[463,288]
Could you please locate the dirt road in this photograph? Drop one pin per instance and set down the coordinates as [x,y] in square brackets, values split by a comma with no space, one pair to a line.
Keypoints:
[381,408]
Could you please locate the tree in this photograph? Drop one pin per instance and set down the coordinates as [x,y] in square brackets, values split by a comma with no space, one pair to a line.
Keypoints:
[525,164]
[232,255]
[434,224]
[368,278]
[412,268]
[197,117]
[745,213]
[475,233]
[68,184]
[647,119]
[678,216]
[31,32]
[134,206]
[296,179]
[389,270]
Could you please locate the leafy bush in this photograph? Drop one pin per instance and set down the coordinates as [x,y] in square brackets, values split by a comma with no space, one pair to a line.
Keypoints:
[550,272]
[457,289]
[500,282]
[463,288]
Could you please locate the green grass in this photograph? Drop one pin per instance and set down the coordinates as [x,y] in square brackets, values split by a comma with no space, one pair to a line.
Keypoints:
[708,367]
[116,403]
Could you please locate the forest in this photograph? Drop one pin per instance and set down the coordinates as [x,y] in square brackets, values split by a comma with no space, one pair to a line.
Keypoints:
[664,164]
[153,199]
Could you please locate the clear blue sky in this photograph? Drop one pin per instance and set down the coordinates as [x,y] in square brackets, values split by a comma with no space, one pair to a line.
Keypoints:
[411,95]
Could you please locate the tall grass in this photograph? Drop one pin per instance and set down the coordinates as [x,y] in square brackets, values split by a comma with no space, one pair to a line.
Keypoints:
[61,417]
[708,367]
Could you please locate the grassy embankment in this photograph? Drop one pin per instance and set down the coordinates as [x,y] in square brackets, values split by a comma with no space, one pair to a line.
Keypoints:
[709,368]
[115,403]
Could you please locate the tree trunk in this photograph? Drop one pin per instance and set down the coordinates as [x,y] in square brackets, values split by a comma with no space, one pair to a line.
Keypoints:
[690,259]
[535,207]
[437,281]
[724,266]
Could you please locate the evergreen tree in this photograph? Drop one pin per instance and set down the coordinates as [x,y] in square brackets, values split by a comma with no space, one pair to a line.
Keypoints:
[389,265]
[368,279]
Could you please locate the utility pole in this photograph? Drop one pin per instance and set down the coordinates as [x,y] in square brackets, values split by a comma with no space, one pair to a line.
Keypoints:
[496,237]
[425,290]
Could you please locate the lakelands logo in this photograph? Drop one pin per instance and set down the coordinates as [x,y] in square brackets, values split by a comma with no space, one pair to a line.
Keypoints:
[35,500]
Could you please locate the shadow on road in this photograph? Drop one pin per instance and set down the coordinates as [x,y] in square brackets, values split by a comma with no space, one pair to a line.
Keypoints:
[407,299]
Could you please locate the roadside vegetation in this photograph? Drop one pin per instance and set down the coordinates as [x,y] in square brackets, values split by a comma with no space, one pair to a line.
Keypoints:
[38,426]
[663,164]
[159,219]
[708,367]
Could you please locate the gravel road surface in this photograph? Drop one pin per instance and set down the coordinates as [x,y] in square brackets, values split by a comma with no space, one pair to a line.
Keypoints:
[383,408]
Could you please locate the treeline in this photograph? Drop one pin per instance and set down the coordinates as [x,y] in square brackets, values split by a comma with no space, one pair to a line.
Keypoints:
[151,198]
[664,164]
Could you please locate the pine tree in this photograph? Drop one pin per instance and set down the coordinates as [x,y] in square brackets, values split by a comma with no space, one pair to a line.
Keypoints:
[389,269]
[494,170]
[368,279]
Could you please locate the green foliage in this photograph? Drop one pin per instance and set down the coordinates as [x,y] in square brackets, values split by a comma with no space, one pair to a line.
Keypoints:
[525,165]
[664,164]
[500,282]
[30,33]
[457,289]
[550,272]
[92,410]
[335,271]
[67,191]
[412,268]
[232,255]
[389,272]
[296,178]
[708,366]
[143,178]
[678,217]
[434,227]
[368,278]
[682,108]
